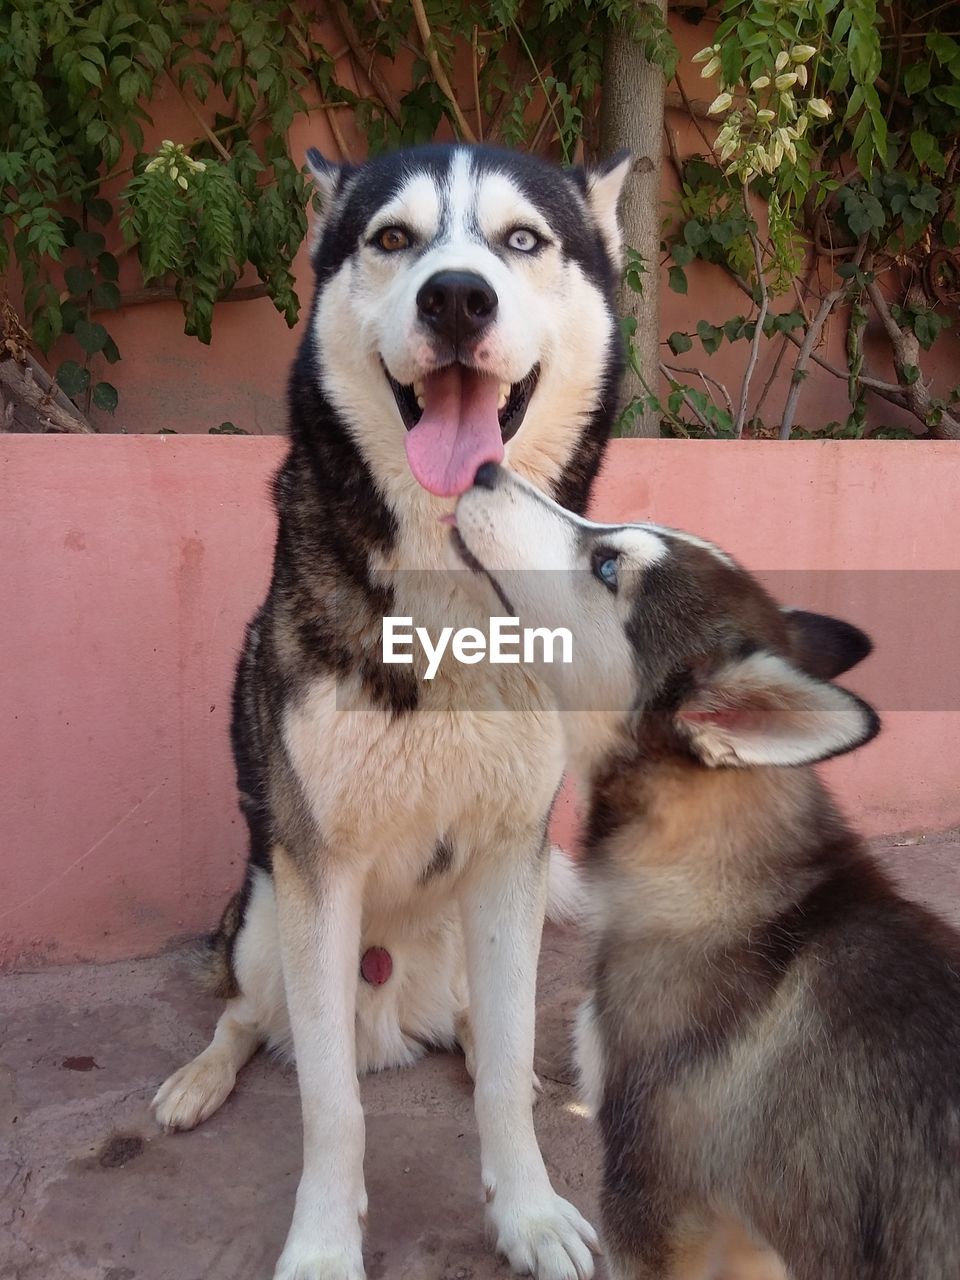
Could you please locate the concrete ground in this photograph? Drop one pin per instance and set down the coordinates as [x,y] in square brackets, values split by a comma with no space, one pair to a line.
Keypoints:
[90,1190]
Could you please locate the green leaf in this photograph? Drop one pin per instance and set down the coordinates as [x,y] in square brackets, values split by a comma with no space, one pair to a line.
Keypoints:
[105,396]
[925,148]
[910,374]
[79,280]
[677,280]
[109,267]
[90,243]
[679,342]
[99,210]
[695,234]
[106,296]
[72,377]
[943,48]
[710,336]
[948,93]
[682,254]
[916,78]
[92,337]
[111,352]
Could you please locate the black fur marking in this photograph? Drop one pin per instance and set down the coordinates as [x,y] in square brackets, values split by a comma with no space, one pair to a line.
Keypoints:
[440,863]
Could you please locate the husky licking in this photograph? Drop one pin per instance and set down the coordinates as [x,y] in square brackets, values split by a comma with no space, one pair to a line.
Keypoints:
[463,314]
[773,1033]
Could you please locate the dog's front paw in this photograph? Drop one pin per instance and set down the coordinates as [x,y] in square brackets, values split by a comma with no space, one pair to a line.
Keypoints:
[323,1264]
[545,1237]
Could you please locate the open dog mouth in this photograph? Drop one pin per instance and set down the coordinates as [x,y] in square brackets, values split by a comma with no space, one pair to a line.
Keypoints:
[457,418]
[471,562]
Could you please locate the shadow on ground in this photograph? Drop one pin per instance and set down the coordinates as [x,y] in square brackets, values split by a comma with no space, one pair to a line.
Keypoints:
[90,1190]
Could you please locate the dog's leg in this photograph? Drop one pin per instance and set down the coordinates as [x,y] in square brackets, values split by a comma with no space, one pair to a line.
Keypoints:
[318,910]
[192,1094]
[503,905]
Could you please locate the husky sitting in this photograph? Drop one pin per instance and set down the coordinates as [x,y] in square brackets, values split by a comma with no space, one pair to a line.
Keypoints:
[463,313]
[774,1031]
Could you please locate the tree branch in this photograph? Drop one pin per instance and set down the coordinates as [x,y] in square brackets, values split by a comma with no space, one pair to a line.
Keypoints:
[757,333]
[430,50]
[701,418]
[810,340]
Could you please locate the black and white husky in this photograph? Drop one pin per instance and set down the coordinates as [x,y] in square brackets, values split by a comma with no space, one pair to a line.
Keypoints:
[463,314]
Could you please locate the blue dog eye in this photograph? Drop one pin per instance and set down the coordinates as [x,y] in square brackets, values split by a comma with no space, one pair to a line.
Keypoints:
[607,572]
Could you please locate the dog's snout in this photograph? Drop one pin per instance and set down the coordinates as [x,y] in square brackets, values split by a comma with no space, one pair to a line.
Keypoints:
[488,475]
[457,304]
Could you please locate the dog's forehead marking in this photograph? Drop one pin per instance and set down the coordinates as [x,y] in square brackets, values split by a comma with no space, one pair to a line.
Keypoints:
[417,203]
[691,539]
[501,204]
[459,214]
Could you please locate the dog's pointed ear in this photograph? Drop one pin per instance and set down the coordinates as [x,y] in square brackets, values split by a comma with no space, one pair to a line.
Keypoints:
[822,646]
[762,710]
[328,179]
[604,186]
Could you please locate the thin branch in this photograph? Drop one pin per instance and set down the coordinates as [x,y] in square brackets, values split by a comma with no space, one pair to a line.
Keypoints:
[705,378]
[204,127]
[694,116]
[758,332]
[810,340]
[167,293]
[476,82]
[701,418]
[390,101]
[430,51]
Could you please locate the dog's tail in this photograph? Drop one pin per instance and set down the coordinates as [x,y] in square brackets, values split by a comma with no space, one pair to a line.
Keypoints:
[565,890]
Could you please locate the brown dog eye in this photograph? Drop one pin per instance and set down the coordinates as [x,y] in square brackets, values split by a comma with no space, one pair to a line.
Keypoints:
[391,239]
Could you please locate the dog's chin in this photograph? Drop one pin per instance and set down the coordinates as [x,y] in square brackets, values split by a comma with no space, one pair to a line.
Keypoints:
[515,399]
[462,557]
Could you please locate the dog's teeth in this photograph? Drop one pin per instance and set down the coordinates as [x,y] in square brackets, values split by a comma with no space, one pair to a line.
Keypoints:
[502,402]
[421,403]
[504,389]
[418,392]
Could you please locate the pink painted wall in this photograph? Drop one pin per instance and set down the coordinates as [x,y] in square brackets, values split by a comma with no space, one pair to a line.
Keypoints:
[128,568]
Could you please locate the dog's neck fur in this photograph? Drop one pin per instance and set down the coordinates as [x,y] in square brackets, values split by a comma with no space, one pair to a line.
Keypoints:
[678,848]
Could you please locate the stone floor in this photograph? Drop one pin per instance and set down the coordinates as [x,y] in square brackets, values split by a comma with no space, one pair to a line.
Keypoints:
[90,1190]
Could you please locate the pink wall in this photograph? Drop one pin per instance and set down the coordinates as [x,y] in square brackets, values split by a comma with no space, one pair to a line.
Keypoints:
[129,566]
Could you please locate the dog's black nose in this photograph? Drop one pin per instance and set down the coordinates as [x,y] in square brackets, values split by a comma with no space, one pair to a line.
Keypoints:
[457,304]
[488,475]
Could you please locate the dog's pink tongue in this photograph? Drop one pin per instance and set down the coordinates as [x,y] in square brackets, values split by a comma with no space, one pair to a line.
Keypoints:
[459,430]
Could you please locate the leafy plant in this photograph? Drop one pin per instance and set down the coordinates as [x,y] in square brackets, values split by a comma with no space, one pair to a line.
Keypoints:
[844,119]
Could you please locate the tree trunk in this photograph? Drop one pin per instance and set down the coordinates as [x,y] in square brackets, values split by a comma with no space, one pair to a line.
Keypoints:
[631,116]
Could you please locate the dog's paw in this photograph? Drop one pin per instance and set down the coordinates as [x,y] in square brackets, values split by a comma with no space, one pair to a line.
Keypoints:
[192,1094]
[547,1237]
[323,1264]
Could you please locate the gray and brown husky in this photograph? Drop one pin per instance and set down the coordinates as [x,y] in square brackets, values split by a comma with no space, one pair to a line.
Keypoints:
[773,1034]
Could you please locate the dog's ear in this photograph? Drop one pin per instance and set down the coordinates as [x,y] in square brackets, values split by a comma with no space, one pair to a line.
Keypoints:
[328,179]
[604,186]
[822,646]
[762,710]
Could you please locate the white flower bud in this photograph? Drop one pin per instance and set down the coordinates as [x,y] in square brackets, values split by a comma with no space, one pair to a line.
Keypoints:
[782,60]
[786,81]
[802,52]
[720,103]
[761,82]
[711,69]
[766,115]
[817,107]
